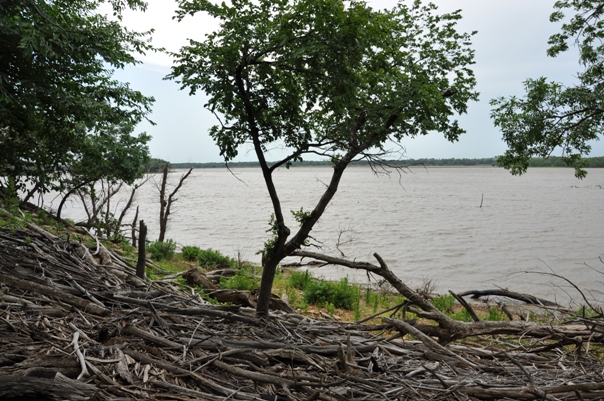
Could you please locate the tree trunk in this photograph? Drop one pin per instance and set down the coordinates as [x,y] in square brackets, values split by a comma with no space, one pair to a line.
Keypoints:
[269,268]
[163,219]
[142,250]
[166,204]
[134,228]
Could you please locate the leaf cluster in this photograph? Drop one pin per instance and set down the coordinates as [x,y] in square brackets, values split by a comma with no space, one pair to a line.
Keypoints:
[325,77]
[553,116]
[61,111]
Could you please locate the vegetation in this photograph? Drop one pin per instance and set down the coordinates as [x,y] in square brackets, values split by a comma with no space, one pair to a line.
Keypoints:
[244,279]
[162,250]
[211,259]
[64,121]
[553,115]
[339,294]
[379,76]
[552,161]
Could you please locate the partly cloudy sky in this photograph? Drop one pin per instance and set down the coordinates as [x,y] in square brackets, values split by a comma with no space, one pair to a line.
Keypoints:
[510,47]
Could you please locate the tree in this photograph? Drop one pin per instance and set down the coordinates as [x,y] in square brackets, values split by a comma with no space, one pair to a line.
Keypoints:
[330,78]
[60,107]
[553,116]
[166,201]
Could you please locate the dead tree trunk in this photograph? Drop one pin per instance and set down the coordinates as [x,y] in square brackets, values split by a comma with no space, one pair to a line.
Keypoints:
[166,203]
[142,250]
[134,228]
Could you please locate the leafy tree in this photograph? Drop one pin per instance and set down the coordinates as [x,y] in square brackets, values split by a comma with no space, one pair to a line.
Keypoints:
[63,119]
[552,115]
[330,78]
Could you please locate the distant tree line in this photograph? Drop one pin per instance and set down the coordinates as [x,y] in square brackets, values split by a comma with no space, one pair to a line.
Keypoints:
[553,161]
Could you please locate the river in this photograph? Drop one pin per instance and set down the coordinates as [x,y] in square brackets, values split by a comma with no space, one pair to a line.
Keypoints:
[462,228]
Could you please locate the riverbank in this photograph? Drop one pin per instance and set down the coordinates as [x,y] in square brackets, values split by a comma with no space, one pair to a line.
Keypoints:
[77,323]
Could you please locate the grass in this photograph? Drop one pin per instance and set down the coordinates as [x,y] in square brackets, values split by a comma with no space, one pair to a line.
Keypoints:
[244,279]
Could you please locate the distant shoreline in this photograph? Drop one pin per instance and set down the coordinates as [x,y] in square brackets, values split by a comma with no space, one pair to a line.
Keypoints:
[554,161]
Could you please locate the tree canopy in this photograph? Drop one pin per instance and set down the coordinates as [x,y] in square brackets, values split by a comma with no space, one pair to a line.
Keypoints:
[332,78]
[554,116]
[61,110]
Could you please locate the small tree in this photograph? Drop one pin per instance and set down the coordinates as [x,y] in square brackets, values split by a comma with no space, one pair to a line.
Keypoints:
[331,78]
[166,201]
[554,116]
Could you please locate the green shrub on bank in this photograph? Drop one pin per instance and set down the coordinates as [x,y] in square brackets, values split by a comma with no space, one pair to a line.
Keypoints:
[341,294]
[300,280]
[162,250]
[211,259]
[444,303]
[240,281]
[190,253]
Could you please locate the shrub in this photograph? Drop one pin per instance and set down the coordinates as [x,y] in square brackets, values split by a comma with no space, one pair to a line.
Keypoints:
[340,294]
[495,314]
[162,250]
[240,281]
[211,259]
[444,303]
[300,280]
[463,315]
[190,253]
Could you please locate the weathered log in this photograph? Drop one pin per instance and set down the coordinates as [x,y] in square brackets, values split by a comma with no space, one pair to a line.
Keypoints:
[78,302]
[529,299]
[195,277]
[13,387]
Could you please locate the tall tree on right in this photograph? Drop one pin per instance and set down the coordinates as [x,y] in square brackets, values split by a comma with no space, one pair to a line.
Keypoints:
[554,116]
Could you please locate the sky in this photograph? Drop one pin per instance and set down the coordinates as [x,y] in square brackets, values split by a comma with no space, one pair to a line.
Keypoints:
[510,47]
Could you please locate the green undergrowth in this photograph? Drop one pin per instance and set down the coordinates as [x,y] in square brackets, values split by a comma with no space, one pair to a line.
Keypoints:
[341,299]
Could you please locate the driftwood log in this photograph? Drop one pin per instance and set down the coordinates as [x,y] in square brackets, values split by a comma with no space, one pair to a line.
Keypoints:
[72,328]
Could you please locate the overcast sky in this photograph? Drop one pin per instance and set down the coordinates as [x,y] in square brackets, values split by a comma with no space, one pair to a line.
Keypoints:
[510,47]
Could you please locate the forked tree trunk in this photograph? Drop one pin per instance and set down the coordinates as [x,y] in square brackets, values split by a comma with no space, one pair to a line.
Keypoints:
[165,204]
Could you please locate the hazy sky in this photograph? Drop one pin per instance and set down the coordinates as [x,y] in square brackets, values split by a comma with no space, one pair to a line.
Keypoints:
[510,46]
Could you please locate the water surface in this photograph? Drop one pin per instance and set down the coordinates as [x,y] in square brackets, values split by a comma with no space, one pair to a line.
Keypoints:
[462,228]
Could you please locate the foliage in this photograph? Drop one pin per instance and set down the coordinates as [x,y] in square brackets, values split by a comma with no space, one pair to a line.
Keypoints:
[340,294]
[300,280]
[463,315]
[190,253]
[211,259]
[495,314]
[552,115]
[155,165]
[444,303]
[64,120]
[240,281]
[333,78]
[162,250]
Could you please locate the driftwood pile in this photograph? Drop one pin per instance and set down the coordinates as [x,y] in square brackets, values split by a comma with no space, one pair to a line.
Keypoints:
[76,324]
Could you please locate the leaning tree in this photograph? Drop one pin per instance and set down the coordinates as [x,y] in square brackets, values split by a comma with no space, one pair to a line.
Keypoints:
[331,78]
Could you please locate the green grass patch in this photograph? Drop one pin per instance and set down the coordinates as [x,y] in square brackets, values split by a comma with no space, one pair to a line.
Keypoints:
[495,314]
[444,303]
[341,294]
[243,280]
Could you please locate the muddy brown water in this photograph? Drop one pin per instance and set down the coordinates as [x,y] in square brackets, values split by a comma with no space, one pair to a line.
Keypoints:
[462,228]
